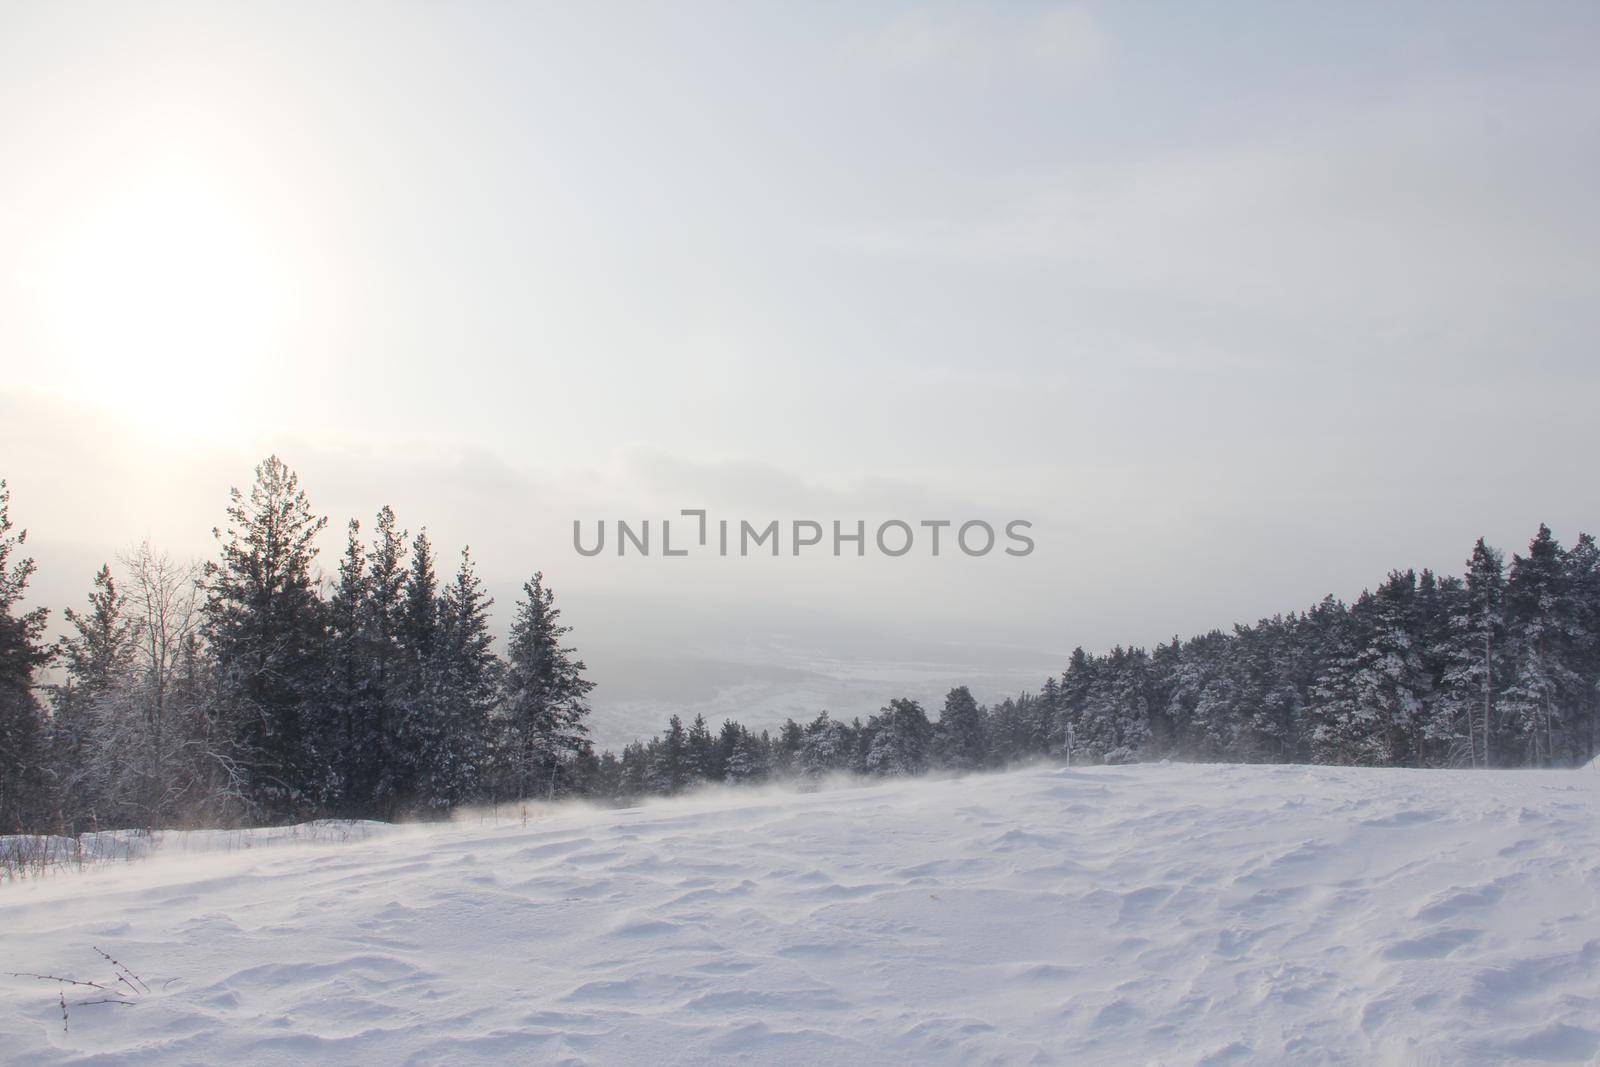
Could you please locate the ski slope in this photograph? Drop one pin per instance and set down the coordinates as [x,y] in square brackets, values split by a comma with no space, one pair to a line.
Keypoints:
[1158,914]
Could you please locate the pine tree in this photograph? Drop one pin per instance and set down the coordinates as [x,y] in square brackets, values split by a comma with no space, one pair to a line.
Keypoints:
[828,747]
[1541,626]
[419,729]
[637,772]
[1370,698]
[701,752]
[23,796]
[419,613]
[669,763]
[607,782]
[1072,700]
[1113,724]
[728,739]
[785,753]
[345,685]
[465,679]
[265,625]
[749,761]
[902,739]
[961,732]
[545,693]
[385,782]
[97,655]
[1583,586]
[1472,654]
[1271,703]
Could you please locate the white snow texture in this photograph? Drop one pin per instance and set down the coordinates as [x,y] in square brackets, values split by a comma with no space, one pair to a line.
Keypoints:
[1159,914]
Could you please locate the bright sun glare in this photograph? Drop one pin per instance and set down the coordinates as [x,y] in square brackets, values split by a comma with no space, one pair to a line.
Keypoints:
[162,300]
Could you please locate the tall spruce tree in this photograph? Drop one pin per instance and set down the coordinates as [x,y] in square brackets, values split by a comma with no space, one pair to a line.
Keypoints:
[345,684]
[749,761]
[387,777]
[464,680]
[1541,620]
[98,656]
[902,739]
[669,759]
[544,694]
[1583,589]
[1473,652]
[23,789]
[828,747]
[419,729]
[265,625]
[1370,697]
[961,735]
[702,752]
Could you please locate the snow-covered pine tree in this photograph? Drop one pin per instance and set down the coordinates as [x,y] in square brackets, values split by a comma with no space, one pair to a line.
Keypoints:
[1583,585]
[264,623]
[1114,695]
[1218,715]
[749,762]
[419,615]
[828,747]
[384,783]
[1044,731]
[669,762]
[97,654]
[544,695]
[1368,700]
[1541,623]
[607,781]
[464,680]
[345,685]
[1072,702]
[419,729]
[636,778]
[701,752]
[1433,728]
[902,739]
[961,731]
[1472,653]
[727,744]
[1130,735]
[1319,634]
[1166,707]
[785,751]
[24,792]
[1002,738]
[1271,706]
[1197,701]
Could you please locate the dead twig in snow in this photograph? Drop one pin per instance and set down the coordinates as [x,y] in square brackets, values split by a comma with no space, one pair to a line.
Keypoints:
[124,975]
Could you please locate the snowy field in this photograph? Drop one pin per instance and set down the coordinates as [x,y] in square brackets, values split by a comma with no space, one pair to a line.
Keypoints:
[1162,914]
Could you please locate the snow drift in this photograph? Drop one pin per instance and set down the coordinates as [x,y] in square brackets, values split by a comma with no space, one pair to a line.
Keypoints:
[1167,914]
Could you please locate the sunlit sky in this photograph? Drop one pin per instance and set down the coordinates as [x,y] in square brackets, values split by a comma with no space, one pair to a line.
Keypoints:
[1240,305]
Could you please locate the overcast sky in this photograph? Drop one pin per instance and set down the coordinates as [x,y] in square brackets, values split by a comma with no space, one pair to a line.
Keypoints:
[1240,305]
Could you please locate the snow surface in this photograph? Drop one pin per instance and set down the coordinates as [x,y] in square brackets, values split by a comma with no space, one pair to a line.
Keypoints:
[1158,914]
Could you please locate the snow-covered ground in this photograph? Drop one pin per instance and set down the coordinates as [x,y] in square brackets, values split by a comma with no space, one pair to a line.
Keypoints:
[1163,914]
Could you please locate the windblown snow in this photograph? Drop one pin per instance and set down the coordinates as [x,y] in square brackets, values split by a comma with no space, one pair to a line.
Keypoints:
[1159,914]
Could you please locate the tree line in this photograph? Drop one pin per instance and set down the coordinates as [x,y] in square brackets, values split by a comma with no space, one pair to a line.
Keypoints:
[248,689]
[1497,668]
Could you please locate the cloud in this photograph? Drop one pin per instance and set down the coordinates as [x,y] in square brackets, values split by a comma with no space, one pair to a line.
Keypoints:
[1411,223]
